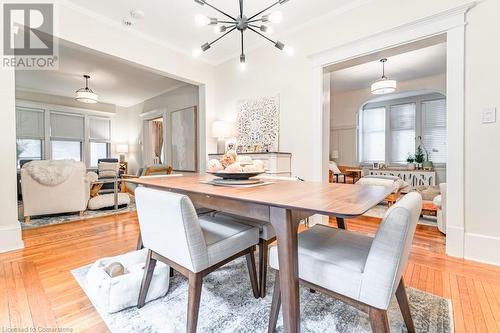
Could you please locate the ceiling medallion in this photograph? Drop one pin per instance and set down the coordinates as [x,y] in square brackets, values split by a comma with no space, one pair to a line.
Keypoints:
[259,25]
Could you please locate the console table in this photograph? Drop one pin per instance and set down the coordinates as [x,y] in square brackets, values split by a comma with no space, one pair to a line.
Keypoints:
[276,164]
[413,177]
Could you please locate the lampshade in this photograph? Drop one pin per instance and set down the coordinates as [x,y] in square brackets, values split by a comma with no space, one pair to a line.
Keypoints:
[221,129]
[384,86]
[335,154]
[86,97]
[122,148]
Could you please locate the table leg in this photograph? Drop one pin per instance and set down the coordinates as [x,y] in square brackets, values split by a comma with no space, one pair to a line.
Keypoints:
[115,189]
[286,229]
[340,223]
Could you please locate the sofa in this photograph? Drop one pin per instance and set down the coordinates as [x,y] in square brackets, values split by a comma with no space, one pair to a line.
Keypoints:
[440,202]
[54,187]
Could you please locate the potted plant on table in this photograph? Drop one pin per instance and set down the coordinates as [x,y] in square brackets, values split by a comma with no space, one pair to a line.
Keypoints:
[419,157]
[411,162]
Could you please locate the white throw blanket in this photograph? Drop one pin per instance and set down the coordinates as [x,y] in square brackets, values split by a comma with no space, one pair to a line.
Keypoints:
[52,173]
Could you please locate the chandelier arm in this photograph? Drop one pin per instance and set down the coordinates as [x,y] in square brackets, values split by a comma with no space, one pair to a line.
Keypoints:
[220,11]
[264,10]
[262,35]
[222,36]
[226,22]
[256,20]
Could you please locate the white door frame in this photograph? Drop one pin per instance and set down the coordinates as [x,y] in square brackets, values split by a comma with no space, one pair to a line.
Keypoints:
[452,23]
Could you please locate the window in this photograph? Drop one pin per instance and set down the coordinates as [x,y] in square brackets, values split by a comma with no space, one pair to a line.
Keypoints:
[406,120]
[66,136]
[98,150]
[30,134]
[66,150]
[402,135]
[434,130]
[29,149]
[372,135]
[100,139]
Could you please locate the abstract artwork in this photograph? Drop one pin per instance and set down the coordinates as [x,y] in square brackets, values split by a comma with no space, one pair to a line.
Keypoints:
[258,123]
[184,140]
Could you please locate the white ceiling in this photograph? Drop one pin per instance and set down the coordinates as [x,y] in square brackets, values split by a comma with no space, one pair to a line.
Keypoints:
[415,64]
[172,21]
[115,81]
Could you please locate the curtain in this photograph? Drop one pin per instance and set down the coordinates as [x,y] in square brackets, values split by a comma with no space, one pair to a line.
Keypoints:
[158,139]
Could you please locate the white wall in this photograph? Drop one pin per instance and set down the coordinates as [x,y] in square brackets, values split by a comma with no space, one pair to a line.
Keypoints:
[10,230]
[270,73]
[482,152]
[177,99]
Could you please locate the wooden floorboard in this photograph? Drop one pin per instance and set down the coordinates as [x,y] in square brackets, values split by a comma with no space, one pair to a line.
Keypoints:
[38,289]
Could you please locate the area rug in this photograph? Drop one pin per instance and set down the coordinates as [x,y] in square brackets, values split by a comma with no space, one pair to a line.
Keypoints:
[380,210]
[40,221]
[227,305]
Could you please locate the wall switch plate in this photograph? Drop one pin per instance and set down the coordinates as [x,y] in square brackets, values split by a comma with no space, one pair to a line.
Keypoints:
[489,115]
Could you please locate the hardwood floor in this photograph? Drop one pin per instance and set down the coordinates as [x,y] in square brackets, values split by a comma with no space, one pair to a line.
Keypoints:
[37,288]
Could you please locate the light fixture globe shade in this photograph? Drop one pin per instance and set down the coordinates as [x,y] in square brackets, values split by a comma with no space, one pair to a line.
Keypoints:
[86,97]
[384,86]
[221,129]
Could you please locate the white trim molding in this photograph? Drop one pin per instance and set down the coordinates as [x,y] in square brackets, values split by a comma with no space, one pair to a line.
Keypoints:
[482,248]
[11,236]
[450,23]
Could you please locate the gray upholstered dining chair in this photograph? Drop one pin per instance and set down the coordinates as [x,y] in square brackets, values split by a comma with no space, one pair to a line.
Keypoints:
[362,271]
[194,246]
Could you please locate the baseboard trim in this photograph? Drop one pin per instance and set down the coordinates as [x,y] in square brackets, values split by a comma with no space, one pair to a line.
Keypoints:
[482,248]
[455,241]
[11,238]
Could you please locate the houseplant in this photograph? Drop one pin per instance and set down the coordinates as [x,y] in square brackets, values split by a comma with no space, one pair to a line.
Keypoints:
[411,162]
[419,156]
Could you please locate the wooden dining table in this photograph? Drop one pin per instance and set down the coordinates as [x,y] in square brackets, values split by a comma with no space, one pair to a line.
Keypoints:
[283,203]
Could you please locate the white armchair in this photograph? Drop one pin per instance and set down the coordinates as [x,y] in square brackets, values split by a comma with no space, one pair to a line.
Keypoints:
[440,202]
[52,187]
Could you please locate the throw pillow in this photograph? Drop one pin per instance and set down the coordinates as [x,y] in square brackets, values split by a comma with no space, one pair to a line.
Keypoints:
[108,169]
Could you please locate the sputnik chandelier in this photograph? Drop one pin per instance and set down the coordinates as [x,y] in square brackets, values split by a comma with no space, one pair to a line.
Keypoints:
[256,23]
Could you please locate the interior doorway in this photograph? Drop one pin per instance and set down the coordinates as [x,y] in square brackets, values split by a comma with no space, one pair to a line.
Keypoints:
[155,135]
[450,25]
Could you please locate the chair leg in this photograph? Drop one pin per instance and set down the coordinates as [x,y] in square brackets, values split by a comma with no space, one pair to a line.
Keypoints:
[140,246]
[252,272]
[379,320]
[195,284]
[263,257]
[404,306]
[275,305]
[146,279]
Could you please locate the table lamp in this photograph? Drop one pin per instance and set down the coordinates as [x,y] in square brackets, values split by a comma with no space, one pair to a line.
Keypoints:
[221,130]
[122,149]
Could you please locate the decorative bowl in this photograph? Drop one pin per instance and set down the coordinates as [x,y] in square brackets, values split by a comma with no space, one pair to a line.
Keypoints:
[236,175]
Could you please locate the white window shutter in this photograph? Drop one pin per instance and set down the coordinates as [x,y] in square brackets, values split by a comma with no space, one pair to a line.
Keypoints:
[434,133]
